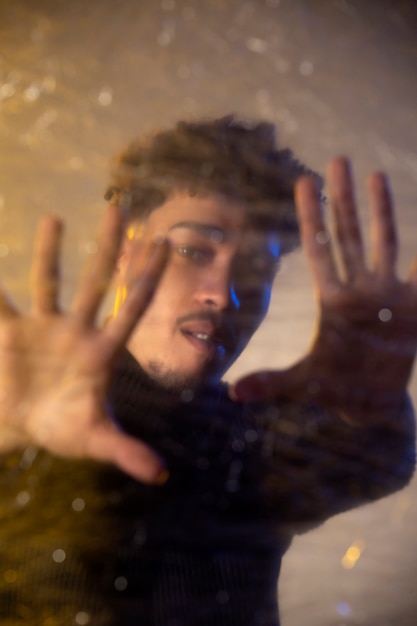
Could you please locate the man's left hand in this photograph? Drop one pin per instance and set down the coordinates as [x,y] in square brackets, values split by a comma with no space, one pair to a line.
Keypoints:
[363,351]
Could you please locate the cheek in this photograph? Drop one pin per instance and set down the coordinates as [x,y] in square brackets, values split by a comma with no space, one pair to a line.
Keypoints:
[266,301]
[170,298]
[258,301]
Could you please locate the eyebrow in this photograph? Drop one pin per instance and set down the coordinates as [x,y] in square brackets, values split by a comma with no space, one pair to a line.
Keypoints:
[206,230]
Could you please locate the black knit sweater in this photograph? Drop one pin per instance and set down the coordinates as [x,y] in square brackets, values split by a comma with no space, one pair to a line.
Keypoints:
[82,543]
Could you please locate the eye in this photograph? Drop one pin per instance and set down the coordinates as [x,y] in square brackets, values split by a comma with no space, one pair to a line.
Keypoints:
[195,254]
[265,267]
[258,268]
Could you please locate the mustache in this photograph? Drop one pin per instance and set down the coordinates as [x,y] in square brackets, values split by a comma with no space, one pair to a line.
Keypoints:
[207,316]
[223,326]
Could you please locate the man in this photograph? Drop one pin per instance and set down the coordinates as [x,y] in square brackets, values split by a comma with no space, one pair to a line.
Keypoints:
[204,485]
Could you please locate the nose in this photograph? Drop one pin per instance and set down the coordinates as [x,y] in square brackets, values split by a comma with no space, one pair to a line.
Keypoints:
[217,290]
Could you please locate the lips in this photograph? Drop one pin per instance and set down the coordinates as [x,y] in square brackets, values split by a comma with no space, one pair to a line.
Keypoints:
[208,338]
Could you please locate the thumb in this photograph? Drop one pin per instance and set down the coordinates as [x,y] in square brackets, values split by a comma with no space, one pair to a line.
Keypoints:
[106,443]
[271,384]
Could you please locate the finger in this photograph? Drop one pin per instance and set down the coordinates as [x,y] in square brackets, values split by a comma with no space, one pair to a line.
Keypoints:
[258,386]
[384,240]
[7,307]
[316,241]
[344,213]
[44,280]
[140,293]
[270,385]
[99,270]
[412,274]
[135,458]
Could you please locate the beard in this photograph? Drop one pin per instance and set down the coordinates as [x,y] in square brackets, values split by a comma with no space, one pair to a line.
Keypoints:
[174,381]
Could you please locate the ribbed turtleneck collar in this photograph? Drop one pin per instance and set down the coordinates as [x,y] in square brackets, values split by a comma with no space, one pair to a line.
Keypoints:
[140,403]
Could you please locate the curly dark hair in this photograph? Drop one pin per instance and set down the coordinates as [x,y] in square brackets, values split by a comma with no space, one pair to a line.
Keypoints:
[238,159]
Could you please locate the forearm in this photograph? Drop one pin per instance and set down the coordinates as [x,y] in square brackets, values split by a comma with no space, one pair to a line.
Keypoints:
[384,409]
[320,465]
[387,433]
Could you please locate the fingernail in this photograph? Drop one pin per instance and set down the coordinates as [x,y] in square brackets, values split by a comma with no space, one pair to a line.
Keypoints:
[247,391]
[162,478]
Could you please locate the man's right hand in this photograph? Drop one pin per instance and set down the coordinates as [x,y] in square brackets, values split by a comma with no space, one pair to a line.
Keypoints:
[55,367]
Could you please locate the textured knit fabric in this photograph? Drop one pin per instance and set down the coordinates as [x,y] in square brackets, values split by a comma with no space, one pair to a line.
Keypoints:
[82,543]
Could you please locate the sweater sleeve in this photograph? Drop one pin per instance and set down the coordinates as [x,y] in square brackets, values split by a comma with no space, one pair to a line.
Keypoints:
[317,465]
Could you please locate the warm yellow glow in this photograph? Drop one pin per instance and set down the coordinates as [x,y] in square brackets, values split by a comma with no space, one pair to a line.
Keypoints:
[352,554]
[10,576]
[135,232]
[121,294]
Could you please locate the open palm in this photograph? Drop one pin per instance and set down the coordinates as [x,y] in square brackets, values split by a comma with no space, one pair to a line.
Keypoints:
[55,367]
[363,351]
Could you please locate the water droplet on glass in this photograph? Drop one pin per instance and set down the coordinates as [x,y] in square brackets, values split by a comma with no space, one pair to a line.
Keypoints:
[164,38]
[28,457]
[120,583]
[4,250]
[262,95]
[251,435]
[187,395]
[385,315]
[59,555]
[222,596]
[272,412]
[282,66]
[257,45]
[238,445]
[10,576]
[190,105]
[49,83]
[216,236]
[352,554]
[78,504]
[343,609]
[140,536]
[313,387]
[14,77]
[105,97]
[7,90]
[183,72]
[203,463]
[322,237]
[75,163]
[345,7]
[188,13]
[306,68]
[91,247]
[32,93]
[46,119]
[37,35]
[232,486]
[22,498]
[82,618]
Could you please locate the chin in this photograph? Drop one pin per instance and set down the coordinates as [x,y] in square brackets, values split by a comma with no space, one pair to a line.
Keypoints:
[175,379]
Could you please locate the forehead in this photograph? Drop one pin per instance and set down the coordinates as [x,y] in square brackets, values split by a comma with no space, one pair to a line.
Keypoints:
[212,216]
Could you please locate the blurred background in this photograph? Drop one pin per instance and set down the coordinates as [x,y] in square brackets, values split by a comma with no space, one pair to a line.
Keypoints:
[78,79]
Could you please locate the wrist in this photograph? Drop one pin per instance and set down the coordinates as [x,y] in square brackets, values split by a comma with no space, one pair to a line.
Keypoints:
[12,440]
[376,408]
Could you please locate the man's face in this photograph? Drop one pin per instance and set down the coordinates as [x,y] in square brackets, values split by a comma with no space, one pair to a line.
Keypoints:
[213,294]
